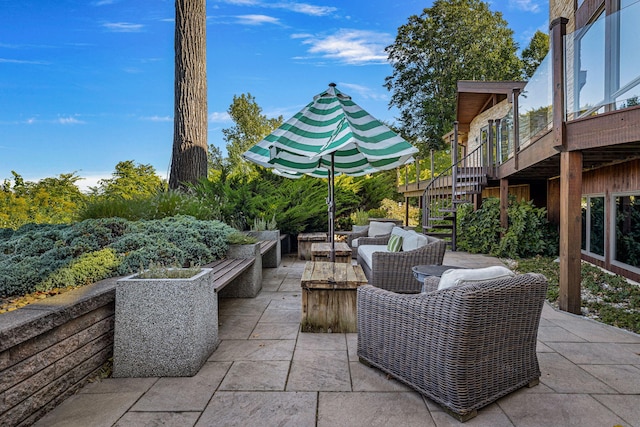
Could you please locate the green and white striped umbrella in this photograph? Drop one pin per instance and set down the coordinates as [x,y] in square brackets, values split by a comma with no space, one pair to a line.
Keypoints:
[331,131]
[331,135]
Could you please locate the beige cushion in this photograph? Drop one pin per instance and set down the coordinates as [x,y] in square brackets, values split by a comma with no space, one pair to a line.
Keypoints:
[412,240]
[454,277]
[366,253]
[377,228]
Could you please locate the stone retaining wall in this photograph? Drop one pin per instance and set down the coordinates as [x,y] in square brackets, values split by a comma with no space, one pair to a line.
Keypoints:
[50,348]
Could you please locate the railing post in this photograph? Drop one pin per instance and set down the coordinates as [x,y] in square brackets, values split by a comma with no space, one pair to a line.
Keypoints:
[558,31]
[490,135]
[516,127]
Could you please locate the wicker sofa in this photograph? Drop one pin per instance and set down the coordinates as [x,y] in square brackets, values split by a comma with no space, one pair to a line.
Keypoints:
[463,347]
[392,270]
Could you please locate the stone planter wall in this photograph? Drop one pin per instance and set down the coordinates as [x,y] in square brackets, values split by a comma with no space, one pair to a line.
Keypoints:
[272,258]
[249,283]
[50,348]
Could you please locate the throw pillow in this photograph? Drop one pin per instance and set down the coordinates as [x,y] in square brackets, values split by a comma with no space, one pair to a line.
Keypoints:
[395,243]
[378,228]
[413,240]
[455,277]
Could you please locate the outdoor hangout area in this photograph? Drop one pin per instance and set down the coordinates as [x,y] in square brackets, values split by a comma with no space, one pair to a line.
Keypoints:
[267,371]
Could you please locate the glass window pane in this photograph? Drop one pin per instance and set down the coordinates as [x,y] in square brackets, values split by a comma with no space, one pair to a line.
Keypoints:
[628,230]
[590,74]
[596,225]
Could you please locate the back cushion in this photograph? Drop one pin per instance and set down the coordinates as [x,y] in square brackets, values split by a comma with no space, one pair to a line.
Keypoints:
[377,228]
[413,240]
[455,277]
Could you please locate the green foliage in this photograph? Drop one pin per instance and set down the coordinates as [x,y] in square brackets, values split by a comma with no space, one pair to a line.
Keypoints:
[608,297]
[129,182]
[528,233]
[250,126]
[261,224]
[160,272]
[237,238]
[533,54]
[377,213]
[87,268]
[157,206]
[48,201]
[360,217]
[450,41]
[35,252]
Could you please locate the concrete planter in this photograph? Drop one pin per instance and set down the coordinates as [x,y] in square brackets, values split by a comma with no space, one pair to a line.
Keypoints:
[164,327]
[273,258]
[249,283]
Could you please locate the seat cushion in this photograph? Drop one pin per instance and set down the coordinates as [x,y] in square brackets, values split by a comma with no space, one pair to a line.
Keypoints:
[413,240]
[455,277]
[366,253]
[377,228]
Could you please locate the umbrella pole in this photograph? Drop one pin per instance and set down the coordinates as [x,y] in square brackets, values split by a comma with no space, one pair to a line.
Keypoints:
[332,210]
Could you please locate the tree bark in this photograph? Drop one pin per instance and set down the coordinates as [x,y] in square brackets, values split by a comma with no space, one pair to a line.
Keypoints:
[189,158]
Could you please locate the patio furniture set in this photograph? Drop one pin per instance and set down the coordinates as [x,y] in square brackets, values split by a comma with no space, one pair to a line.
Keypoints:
[462,337]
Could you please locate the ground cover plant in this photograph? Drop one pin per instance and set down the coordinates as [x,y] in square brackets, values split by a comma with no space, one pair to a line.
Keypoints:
[606,297]
[41,259]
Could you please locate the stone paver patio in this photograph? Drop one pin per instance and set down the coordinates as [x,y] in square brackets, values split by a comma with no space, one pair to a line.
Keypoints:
[267,373]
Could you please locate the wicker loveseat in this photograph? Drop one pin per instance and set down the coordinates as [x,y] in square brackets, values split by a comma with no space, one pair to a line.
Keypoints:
[463,347]
[392,270]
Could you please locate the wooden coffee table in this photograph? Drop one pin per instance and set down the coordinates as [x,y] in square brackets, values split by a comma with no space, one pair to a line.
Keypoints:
[322,252]
[305,240]
[329,292]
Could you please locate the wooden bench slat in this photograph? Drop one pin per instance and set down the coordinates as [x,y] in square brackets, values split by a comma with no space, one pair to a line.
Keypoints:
[225,270]
[266,245]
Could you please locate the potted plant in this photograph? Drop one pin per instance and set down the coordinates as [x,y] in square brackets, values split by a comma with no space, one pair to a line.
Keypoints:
[267,230]
[360,220]
[165,322]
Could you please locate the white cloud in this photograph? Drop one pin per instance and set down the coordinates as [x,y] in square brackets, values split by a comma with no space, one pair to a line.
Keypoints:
[103,2]
[158,119]
[123,27]
[355,47]
[304,8]
[257,19]
[217,117]
[21,61]
[69,121]
[363,92]
[526,5]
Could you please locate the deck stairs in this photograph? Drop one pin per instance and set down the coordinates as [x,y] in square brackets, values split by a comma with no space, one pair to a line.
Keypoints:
[448,190]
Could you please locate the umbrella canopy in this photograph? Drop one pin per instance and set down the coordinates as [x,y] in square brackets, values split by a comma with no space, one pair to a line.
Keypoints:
[331,135]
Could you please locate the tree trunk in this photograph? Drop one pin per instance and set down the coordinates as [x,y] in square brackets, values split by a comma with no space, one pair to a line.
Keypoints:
[189,158]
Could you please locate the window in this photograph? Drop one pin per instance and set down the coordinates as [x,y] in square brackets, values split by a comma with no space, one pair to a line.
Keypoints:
[593,225]
[627,230]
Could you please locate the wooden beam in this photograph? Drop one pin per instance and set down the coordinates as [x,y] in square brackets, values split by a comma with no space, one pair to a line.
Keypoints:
[570,230]
[504,203]
[558,31]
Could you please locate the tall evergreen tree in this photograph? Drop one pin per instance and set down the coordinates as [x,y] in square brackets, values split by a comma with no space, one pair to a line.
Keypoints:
[533,54]
[450,41]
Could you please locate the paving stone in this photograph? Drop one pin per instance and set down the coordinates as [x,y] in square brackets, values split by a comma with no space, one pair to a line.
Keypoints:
[184,393]
[321,341]
[235,350]
[372,409]
[286,409]
[275,331]
[119,385]
[566,410]
[623,378]
[627,407]
[256,376]
[364,378]
[236,327]
[89,410]
[164,419]
[562,376]
[590,353]
[489,416]
[314,370]
[352,347]
[556,333]
[280,316]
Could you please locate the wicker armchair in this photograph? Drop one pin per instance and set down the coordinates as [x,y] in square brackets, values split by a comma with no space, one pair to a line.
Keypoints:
[350,237]
[462,347]
[392,270]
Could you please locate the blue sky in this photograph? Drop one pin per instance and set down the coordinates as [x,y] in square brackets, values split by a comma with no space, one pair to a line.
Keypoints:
[85,84]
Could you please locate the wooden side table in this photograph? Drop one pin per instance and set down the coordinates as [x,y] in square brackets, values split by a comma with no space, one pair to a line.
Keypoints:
[305,240]
[329,293]
[322,252]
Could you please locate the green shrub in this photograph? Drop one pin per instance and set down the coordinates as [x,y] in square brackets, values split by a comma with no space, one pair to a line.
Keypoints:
[528,234]
[377,213]
[88,268]
[238,238]
[31,254]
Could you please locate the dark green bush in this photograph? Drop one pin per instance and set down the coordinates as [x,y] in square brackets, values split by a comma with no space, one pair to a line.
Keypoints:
[528,234]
